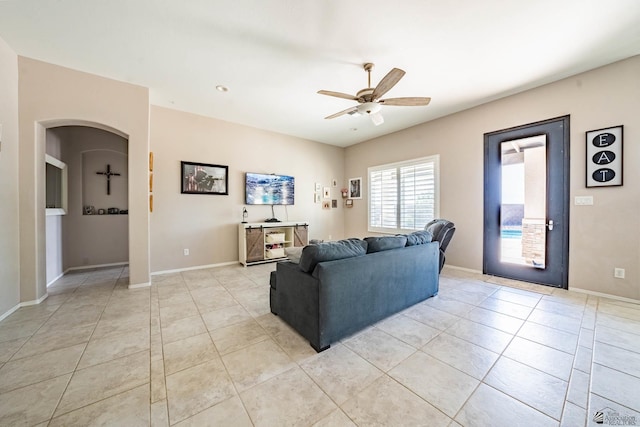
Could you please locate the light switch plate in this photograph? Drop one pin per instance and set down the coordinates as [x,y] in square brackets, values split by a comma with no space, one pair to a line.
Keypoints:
[584,200]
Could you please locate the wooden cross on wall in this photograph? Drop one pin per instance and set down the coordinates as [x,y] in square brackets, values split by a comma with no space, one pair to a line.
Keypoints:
[108,174]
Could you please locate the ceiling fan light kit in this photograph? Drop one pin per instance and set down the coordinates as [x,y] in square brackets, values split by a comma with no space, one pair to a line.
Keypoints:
[369,98]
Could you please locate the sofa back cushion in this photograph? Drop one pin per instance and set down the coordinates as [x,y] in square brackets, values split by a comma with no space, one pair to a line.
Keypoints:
[385,243]
[329,251]
[419,238]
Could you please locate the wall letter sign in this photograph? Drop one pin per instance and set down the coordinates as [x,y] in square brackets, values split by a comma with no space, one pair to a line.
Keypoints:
[604,157]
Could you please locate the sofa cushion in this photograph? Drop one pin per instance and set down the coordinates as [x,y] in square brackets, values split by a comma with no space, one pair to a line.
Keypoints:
[419,238]
[293,253]
[385,243]
[329,251]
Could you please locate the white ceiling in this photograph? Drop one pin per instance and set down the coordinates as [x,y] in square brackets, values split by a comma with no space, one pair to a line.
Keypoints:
[275,55]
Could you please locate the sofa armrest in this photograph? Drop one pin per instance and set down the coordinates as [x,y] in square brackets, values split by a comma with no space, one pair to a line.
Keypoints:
[297,300]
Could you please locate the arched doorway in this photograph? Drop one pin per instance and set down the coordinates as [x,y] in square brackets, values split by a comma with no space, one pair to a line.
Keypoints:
[92,230]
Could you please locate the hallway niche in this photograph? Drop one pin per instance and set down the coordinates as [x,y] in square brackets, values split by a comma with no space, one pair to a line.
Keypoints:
[97,177]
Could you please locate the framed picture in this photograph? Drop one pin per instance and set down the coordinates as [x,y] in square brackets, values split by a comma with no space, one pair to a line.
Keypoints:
[203,178]
[334,203]
[355,188]
[318,187]
[604,157]
[348,203]
[334,182]
[326,193]
[316,197]
[326,205]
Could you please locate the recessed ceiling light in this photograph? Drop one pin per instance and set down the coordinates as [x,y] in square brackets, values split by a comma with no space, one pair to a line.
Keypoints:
[222,88]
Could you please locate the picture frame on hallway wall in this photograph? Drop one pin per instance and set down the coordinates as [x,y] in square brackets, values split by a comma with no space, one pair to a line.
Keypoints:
[204,178]
[604,157]
[355,188]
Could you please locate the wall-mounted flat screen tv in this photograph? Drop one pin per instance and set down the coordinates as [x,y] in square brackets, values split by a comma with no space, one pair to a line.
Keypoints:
[265,189]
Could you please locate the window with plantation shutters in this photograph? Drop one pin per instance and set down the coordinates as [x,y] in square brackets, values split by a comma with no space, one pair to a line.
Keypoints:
[403,196]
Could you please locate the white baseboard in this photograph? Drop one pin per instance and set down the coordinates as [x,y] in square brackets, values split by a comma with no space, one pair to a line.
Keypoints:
[583,291]
[140,285]
[199,267]
[23,304]
[54,280]
[91,267]
[468,270]
[9,312]
[603,295]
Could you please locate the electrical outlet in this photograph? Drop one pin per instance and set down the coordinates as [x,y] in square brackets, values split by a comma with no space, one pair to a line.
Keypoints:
[618,273]
[186,252]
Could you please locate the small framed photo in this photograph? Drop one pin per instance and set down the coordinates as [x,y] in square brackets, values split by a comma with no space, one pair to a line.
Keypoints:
[348,203]
[327,193]
[334,182]
[604,157]
[204,178]
[318,187]
[316,197]
[326,205]
[355,188]
[334,204]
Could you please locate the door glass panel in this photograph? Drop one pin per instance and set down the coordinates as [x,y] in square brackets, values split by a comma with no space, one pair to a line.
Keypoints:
[523,206]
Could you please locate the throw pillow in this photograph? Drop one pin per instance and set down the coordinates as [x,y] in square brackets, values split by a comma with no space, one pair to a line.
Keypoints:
[419,238]
[385,243]
[329,251]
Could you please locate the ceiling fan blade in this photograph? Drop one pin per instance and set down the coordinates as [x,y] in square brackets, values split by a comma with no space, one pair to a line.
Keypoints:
[387,83]
[410,101]
[347,111]
[337,94]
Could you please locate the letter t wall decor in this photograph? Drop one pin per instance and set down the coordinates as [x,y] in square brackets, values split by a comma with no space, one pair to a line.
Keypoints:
[604,157]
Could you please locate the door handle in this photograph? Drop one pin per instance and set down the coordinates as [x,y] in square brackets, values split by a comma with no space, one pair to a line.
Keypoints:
[550,225]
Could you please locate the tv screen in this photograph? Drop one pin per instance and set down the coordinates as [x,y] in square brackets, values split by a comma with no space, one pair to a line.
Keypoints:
[264,189]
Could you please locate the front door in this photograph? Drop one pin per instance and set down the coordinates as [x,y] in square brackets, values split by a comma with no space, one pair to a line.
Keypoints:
[526,202]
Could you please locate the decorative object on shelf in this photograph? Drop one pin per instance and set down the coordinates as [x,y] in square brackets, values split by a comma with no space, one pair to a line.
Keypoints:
[113,211]
[334,204]
[150,161]
[604,157]
[348,203]
[327,193]
[204,178]
[355,188]
[317,197]
[101,211]
[108,174]
[89,210]
[326,205]
[245,215]
[345,193]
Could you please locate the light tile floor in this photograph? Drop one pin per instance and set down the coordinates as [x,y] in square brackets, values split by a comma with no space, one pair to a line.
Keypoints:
[202,348]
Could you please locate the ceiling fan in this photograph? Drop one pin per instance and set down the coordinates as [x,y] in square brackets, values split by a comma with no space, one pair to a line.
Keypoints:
[369,98]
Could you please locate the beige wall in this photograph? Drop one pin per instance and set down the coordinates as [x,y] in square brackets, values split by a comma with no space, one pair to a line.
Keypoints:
[9,222]
[207,225]
[602,236]
[50,96]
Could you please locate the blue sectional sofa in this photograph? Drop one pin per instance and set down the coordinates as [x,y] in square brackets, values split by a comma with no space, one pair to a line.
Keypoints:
[339,288]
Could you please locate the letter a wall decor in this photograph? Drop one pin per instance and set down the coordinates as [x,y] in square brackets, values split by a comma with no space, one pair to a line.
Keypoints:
[604,157]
